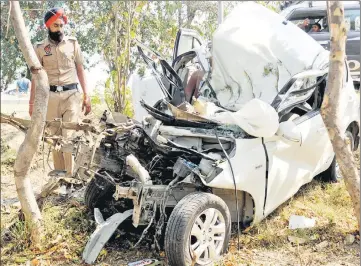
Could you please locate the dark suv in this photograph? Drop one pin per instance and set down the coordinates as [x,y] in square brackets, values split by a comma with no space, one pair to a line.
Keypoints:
[316,12]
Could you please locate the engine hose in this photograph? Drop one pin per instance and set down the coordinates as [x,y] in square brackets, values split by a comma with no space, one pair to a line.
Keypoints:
[235,187]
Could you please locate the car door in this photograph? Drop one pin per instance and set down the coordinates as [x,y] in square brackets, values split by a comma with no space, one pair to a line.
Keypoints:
[185,41]
[292,163]
[188,54]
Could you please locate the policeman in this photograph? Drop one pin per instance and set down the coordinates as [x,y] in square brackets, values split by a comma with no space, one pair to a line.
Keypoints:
[62,60]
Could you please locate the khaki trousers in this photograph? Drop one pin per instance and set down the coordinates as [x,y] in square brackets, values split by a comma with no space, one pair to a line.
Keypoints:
[65,105]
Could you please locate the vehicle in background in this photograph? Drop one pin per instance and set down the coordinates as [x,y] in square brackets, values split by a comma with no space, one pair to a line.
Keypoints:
[316,12]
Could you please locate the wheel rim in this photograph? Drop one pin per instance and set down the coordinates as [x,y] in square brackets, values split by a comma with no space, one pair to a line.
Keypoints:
[207,236]
[337,167]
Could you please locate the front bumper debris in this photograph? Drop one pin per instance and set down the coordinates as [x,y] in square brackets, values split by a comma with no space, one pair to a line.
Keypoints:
[102,233]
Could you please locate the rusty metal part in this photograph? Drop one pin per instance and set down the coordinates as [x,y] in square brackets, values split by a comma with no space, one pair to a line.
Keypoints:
[145,231]
[125,192]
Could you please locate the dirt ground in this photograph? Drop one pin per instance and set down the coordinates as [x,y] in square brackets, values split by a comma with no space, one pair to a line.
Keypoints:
[38,176]
[264,244]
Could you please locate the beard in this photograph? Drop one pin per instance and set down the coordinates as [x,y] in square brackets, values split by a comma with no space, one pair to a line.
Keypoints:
[56,36]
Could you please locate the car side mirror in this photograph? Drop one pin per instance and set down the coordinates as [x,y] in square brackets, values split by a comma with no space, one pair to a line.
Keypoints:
[289,132]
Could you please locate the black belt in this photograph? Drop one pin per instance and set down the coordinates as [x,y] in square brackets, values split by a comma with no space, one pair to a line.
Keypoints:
[54,88]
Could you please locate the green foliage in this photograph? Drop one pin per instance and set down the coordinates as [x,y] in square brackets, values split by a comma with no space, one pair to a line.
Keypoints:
[272,5]
[109,28]
[12,60]
[95,98]
[128,108]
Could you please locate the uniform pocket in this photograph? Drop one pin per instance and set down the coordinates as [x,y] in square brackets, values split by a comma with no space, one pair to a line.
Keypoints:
[50,62]
[76,98]
[76,101]
[69,59]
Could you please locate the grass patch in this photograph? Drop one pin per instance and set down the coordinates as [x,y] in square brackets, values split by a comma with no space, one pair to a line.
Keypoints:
[329,204]
[8,155]
[67,228]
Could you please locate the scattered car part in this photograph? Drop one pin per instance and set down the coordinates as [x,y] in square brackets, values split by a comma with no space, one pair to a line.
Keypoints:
[145,262]
[297,222]
[102,234]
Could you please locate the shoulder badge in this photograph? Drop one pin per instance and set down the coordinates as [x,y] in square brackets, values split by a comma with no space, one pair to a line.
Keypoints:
[47,50]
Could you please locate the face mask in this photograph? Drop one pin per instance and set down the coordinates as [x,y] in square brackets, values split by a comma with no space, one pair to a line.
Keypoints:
[56,36]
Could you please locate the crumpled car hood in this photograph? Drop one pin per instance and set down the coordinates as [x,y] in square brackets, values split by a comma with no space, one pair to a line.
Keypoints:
[255,53]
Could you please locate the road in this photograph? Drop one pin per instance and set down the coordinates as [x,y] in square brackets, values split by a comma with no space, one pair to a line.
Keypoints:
[15,103]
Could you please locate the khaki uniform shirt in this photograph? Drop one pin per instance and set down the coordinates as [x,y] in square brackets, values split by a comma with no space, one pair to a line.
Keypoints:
[59,61]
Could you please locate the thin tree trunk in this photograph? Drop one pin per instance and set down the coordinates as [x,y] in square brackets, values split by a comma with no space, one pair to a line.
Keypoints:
[330,105]
[32,138]
[118,82]
[126,70]
[180,15]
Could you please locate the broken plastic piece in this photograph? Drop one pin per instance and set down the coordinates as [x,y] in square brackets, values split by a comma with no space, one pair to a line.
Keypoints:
[62,190]
[301,222]
[98,217]
[145,262]
[141,172]
[102,234]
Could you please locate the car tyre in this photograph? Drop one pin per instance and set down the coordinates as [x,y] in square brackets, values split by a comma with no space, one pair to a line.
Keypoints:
[198,230]
[333,174]
[98,192]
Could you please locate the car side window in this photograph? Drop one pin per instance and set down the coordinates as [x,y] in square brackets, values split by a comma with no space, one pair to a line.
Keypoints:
[196,43]
[312,20]
[352,19]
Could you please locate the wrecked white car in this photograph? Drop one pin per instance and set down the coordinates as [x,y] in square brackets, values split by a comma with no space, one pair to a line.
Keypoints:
[249,141]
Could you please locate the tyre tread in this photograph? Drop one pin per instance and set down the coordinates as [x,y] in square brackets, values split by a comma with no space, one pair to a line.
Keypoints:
[179,220]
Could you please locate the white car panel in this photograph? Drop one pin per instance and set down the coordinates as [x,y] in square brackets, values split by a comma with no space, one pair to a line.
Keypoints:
[256,62]
[249,166]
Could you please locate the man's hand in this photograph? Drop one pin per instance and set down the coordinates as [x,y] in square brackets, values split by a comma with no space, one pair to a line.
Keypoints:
[306,22]
[86,105]
[31,107]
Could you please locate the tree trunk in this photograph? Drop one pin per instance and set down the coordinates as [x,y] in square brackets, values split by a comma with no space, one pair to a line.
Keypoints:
[190,14]
[180,22]
[127,63]
[32,138]
[330,105]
